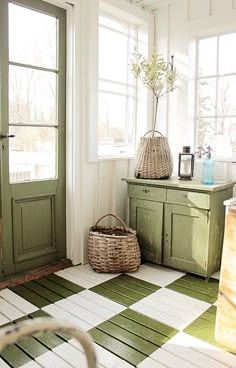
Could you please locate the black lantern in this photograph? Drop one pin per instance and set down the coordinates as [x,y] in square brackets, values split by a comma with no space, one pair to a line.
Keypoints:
[186,164]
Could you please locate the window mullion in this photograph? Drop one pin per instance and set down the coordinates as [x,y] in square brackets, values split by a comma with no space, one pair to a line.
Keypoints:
[217,79]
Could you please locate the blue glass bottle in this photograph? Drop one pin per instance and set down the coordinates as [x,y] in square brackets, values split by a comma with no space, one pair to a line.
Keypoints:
[208,166]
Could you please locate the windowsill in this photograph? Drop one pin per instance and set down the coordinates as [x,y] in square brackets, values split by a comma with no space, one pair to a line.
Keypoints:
[115,158]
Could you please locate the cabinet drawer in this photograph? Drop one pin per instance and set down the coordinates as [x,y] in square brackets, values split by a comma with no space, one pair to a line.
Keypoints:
[146,192]
[187,198]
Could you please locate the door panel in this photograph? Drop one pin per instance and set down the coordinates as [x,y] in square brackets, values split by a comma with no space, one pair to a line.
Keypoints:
[147,218]
[186,238]
[32,62]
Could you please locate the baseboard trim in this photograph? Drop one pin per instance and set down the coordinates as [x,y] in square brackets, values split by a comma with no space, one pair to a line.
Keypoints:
[35,273]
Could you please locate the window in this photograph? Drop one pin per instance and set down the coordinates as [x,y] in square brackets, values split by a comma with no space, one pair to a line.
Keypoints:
[117,88]
[216,94]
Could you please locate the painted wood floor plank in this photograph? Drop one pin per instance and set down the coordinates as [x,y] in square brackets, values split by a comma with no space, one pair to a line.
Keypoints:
[42,291]
[103,276]
[60,313]
[50,359]
[104,357]
[3,364]
[72,278]
[104,302]
[50,340]
[202,334]
[71,355]
[111,286]
[170,360]
[146,321]
[76,275]
[203,289]
[30,296]
[188,300]
[14,356]
[123,351]
[52,286]
[192,293]
[150,363]
[65,283]
[123,364]
[38,314]
[17,301]
[169,309]
[91,306]
[128,338]
[93,278]
[131,287]
[176,346]
[208,350]
[212,309]
[80,312]
[159,316]
[116,297]
[139,282]
[31,364]
[209,316]
[204,324]
[3,320]
[9,311]
[139,330]
[32,347]
[179,304]
[211,284]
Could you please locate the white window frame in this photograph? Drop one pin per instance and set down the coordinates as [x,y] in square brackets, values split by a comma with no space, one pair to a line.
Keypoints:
[217,75]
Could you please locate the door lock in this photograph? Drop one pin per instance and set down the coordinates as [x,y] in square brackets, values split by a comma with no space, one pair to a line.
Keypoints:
[3,136]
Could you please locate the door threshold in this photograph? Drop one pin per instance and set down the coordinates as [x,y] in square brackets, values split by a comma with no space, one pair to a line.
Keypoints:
[35,273]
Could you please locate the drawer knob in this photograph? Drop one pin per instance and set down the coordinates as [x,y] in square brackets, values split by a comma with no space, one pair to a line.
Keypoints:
[185,196]
[146,191]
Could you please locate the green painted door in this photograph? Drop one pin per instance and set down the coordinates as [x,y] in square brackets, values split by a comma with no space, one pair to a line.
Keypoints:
[186,238]
[32,108]
[147,218]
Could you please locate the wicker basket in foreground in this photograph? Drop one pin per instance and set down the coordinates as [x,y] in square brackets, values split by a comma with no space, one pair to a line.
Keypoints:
[113,248]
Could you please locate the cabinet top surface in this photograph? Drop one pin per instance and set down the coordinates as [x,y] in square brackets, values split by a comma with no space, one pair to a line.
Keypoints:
[174,182]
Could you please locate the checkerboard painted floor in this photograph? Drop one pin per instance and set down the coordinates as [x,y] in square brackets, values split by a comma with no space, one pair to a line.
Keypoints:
[154,318]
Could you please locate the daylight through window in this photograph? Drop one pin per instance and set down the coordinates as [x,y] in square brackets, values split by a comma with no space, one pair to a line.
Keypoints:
[216,94]
[117,88]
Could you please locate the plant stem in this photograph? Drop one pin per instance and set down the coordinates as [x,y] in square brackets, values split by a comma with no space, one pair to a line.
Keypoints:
[155,116]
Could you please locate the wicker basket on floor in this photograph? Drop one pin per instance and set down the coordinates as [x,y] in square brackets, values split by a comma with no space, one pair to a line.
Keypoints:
[113,248]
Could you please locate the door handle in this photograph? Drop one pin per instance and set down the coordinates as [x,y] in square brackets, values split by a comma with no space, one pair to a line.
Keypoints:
[3,136]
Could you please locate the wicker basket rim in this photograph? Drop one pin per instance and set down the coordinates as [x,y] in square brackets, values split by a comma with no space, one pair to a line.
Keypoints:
[98,232]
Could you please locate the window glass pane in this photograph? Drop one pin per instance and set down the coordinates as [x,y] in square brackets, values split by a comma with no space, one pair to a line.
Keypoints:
[207,96]
[113,55]
[207,56]
[32,153]
[116,88]
[116,122]
[205,131]
[227,59]
[32,37]
[227,95]
[32,96]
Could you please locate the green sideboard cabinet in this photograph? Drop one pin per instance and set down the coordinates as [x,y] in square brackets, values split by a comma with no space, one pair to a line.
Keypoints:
[179,224]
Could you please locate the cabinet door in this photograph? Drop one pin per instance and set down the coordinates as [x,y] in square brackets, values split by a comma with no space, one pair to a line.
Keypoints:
[186,238]
[147,218]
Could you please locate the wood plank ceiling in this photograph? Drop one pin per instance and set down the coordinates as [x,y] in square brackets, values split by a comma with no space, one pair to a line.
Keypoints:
[145,3]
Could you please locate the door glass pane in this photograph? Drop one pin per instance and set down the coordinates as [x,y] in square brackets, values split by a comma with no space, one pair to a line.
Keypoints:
[32,96]
[32,37]
[32,153]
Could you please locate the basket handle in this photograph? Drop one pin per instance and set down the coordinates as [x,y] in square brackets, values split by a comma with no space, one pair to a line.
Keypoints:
[116,217]
[153,131]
